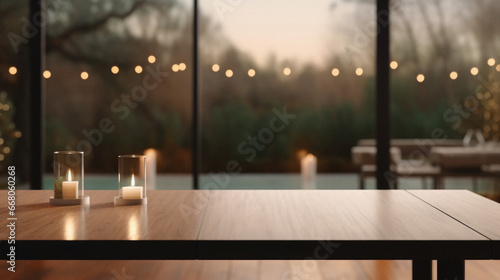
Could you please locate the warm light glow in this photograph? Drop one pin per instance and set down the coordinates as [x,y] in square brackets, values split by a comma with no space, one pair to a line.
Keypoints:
[132,181]
[453,75]
[287,71]
[335,72]
[301,153]
[138,69]
[251,72]
[46,74]
[6,150]
[6,107]
[2,157]
[17,134]
[182,66]
[215,67]
[69,175]
[133,227]
[84,75]
[359,71]
[1,141]
[498,67]
[474,71]
[491,61]
[151,59]
[229,73]
[175,68]
[69,227]
[13,70]
[115,69]
[394,65]
[420,78]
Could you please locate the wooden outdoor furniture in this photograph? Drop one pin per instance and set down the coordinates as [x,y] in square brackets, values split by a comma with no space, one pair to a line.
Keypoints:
[478,161]
[424,225]
[365,157]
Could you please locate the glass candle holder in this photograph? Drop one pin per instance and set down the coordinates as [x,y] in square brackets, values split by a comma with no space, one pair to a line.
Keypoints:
[131,180]
[68,178]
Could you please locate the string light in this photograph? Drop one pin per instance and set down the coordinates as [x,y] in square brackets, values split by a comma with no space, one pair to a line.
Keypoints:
[287,71]
[13,70]
[115,69]
[215,67]
[498,67]
[251,72]
[182,66]
[335,72]
[175,68]
[229,73]
[46,74]
[138,69]
[394,65]
[359,71]
[491,61]
[151,59]
[453,75]
[84,75]
[474,71]
[420,78]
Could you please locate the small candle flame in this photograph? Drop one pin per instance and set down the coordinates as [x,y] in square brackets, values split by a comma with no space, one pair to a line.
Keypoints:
[69,175]
[132,181]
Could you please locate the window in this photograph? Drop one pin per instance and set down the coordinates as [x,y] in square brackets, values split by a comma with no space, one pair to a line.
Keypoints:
[118,81]
[261,60]
[14,90]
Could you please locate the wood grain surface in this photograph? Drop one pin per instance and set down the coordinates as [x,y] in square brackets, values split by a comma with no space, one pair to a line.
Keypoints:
[169,215]
[475,211]
[327,215]
[250,224]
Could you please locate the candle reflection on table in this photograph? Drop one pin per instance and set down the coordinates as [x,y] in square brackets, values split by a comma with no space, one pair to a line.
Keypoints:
[69,227]
[74,223]
[138,224]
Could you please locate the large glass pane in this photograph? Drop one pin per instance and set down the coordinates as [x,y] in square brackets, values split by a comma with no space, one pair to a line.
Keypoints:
[282,79]
[444,80]
[15,32]
[118,76]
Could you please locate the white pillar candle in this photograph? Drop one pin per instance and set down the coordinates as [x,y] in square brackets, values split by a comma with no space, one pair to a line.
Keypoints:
[132,192]
[308,169]
[69,188]
[151,155]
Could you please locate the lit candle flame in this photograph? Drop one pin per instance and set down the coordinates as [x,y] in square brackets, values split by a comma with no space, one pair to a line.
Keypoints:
[132,181]
[69,175]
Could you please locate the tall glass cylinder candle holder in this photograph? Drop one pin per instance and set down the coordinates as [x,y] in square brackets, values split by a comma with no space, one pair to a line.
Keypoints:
[68,179]
[131,180]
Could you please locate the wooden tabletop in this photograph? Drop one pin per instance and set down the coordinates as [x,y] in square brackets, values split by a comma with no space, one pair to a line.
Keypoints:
[474,211]
[259,224]
[172,219]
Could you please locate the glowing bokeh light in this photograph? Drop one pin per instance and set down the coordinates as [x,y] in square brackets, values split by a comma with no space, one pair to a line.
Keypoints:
[46,74]
[84,75]
[13,70]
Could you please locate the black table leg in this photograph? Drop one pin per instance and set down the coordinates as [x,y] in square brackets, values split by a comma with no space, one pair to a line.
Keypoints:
[422,269]
[451,270]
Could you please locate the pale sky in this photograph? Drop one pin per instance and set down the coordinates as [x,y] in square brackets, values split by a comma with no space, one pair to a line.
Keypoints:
[299,30]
